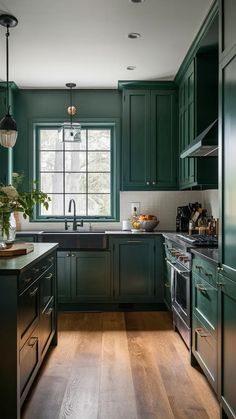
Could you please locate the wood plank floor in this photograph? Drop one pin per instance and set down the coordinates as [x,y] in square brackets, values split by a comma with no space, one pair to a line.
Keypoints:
[119,366]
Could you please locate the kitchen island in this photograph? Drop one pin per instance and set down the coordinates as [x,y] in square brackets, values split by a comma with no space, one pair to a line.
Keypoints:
[28,321]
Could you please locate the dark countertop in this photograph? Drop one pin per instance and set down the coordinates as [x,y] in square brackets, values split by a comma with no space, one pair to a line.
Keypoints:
[211,255]
[14,264]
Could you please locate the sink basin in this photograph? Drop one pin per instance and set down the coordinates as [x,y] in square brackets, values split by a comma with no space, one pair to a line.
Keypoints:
[73,232]
[81,240]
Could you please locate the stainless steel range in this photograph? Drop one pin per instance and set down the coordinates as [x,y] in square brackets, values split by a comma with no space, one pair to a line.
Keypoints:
[179,258]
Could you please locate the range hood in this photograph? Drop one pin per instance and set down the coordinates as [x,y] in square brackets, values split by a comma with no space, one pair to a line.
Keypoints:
[205,144]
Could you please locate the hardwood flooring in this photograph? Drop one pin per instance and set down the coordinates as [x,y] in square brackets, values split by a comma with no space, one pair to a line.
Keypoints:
[119,366]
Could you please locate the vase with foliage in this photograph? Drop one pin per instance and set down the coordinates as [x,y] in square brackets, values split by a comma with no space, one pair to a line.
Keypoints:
[12,201]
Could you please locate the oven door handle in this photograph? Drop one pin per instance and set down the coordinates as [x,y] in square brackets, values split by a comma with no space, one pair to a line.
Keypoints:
[176,269]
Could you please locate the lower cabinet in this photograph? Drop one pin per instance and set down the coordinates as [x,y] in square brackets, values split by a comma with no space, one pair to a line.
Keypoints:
[129,272]
[136,269]
[205,318]
[28,323]
[227,344]
[83,276]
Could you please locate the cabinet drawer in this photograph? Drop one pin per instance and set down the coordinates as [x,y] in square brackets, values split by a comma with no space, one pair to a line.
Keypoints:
[46,287]
[28,310]
[204,347]
[47,324]
[206,270]
[205,302]
[29,359]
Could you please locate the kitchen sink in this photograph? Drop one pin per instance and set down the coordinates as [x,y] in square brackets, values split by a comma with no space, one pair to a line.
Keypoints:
[81,240]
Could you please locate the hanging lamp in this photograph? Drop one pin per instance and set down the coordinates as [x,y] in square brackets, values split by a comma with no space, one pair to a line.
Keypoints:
[8,128]
[70,131]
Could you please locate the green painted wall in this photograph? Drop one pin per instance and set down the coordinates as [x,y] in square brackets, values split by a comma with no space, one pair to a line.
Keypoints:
[52,104]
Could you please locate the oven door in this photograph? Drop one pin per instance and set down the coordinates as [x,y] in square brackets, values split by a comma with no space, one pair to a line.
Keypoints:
[180,291]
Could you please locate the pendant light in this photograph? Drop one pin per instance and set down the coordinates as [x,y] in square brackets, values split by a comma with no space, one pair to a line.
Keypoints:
[70,131]
[8,129]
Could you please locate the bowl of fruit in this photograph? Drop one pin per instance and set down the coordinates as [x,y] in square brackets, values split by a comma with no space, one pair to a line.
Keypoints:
[149,222]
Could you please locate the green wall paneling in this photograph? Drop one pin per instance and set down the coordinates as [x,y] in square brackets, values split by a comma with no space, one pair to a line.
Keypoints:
[51,106]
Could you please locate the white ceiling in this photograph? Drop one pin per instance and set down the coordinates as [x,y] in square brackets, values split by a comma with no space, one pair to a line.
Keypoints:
[86,42]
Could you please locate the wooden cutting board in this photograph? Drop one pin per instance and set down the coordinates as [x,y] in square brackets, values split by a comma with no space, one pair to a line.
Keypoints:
[17,249]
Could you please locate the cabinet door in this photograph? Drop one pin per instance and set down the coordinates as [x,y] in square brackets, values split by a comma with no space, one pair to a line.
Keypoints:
[90,273]
[136,139]
[133,270]
[228,27]
[163,139]
[63,276]
[228,187]
[186,125]
[228,345]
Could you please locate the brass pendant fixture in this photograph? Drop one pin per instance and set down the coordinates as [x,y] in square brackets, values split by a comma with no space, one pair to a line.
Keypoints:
[70,131]
[8,128]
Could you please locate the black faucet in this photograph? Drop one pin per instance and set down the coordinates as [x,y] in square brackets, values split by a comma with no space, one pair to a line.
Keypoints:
[75,224]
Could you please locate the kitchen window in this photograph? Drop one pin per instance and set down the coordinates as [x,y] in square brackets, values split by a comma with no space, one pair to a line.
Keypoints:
[85,171]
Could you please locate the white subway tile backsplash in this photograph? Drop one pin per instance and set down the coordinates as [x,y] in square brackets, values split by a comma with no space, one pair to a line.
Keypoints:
[163,204]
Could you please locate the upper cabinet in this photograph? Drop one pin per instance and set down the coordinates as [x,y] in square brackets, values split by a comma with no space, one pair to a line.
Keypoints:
[228,141]
[149,136]
[228,27]
[198,106]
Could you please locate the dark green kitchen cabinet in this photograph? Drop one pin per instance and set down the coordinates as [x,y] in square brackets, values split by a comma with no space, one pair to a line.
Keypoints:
[186,125]
[227,343]
[134,269]
[205,317]
[227,244]
[64,276]
[90,276]
[228,27]
[83,276]
[198,109]
[149,138]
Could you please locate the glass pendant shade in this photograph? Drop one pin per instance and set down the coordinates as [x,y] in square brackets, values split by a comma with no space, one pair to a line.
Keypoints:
[8,131]
[70,132]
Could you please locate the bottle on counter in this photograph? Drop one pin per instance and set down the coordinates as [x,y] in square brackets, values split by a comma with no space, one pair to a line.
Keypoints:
[191,227]
[134,221]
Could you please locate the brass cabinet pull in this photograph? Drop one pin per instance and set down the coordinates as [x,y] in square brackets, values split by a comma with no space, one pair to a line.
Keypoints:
[34,292]
[36,270]
[49,311]
[32,341]
[49,276]
[198,267]
[208,274]
[27,280]
[134,241]
[201,288]
[44,267]
[166,284]
[201,332]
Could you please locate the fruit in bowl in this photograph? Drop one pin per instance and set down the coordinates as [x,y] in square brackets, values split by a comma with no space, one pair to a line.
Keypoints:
[147,217]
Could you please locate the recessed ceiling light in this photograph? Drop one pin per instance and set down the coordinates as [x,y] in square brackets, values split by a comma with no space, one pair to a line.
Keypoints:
[137,1]
[131,67]
[134,35]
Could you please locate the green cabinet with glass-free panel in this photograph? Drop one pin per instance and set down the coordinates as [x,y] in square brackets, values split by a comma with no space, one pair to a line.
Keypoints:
[83,276]
[227,268]
[137,264]
[205,317]
[149,137]
[196,172]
